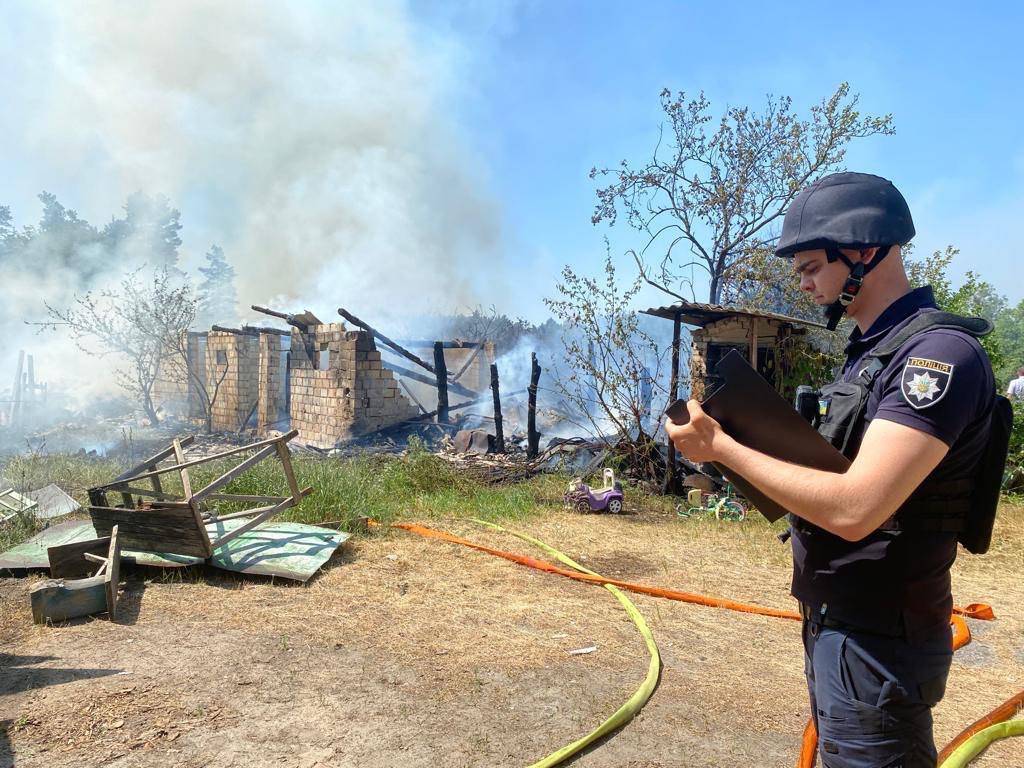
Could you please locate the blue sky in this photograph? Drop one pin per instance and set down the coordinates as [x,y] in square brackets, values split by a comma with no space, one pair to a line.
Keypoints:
[571,86]
[534,94]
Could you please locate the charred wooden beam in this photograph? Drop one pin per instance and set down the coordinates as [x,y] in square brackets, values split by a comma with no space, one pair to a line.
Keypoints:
[452,386]
[385,340]
[425,344]
[257,329]
[499,434]
[442,384]
[225,329]
[293,320]
[671,466]
[532,435]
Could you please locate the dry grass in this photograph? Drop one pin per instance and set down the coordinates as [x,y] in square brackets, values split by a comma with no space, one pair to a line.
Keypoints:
[401,637]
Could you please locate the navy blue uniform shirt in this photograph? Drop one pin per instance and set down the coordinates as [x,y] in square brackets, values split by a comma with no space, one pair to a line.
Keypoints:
[940,382]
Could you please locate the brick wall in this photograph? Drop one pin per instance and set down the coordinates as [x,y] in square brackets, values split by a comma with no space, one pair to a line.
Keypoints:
[232,360]
[342,391]
[271,383]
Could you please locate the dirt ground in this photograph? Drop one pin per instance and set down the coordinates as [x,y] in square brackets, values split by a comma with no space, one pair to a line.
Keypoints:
[409,652]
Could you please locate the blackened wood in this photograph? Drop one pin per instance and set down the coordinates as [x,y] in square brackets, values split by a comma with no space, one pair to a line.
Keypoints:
[424,344]
[154,529]
[671,484]
[442,383]
[412,396]
[532,435]
[469,362]
[68,561]
[499,434]
[384,339]
[452,386]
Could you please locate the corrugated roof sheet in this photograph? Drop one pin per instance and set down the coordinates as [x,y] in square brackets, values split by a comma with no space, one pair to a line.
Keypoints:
[695,313]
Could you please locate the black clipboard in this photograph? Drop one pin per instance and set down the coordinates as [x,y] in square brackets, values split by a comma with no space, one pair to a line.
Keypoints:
[755,415]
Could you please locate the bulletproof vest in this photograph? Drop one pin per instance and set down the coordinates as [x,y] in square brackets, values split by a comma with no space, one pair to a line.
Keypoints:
[964,507]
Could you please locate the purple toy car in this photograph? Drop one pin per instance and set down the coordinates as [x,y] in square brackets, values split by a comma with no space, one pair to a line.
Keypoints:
[609,497]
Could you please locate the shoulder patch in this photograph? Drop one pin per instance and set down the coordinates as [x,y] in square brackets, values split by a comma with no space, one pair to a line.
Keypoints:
[925,382]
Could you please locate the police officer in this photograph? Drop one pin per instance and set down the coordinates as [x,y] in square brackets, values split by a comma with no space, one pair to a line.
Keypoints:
[874,593]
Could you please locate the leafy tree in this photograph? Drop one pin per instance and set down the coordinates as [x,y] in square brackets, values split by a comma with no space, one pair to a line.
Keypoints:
[143,325]
[716,189]
[148,234]
[974,298]
[611,364]
[217,297]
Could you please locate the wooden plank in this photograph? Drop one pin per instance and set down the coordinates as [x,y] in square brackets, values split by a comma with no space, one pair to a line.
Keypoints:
[95,558]
[195,462]
[263,516]
[113,575]
[286,463]
[468,363]
[234,472]
[131,489]
[152,461]
[244,498]
[157,529]
[68,561]
[259,510]
[179,459]
[155,480]
[60,599]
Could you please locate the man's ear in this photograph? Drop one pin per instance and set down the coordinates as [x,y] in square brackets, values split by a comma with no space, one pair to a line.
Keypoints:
[867,255]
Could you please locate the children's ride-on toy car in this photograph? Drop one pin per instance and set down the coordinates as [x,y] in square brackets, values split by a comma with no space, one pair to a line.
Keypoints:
[607,498]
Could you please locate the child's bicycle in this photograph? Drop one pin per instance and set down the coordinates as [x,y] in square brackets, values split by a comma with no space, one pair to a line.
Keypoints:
[724,506]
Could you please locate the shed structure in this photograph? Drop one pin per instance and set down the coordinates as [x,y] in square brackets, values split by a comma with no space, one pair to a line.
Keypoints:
[763,338]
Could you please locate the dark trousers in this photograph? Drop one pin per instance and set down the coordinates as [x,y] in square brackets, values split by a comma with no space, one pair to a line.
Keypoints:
[872,696]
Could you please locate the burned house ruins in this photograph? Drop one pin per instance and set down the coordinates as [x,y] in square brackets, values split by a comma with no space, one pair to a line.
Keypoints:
[328,381]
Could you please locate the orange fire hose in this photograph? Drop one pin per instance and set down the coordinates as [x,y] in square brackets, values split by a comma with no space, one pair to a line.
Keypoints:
[809,742]
[1003,712]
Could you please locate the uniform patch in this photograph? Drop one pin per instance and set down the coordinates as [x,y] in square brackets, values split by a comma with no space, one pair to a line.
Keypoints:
[925,381]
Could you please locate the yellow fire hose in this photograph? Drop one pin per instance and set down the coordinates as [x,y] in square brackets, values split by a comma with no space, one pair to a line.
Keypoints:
[634,703]
[971,748]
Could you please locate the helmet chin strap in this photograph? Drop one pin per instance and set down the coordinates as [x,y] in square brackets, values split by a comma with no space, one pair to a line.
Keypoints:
[834,312]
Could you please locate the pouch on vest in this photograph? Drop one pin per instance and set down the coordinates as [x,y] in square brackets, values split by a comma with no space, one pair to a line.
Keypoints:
[977,534]
[969,510]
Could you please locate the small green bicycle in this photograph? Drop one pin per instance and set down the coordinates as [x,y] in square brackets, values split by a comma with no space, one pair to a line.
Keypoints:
[724,506]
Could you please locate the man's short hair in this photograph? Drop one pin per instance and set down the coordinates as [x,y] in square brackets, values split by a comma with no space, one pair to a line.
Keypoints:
[1020,371]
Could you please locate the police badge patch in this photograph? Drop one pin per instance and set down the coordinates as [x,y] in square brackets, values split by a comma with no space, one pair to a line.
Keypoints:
[925,382]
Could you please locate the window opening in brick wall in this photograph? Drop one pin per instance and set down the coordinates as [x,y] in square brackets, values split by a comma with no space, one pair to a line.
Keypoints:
[323,360]
[222,357]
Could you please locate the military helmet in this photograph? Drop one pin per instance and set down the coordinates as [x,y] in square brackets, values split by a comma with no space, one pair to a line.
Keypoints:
[848,210]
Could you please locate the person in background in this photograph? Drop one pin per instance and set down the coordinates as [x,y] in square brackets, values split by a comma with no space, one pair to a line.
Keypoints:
[1016,388]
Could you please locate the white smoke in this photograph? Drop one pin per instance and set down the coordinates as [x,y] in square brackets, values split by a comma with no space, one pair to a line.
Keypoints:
[317,136]
[315,142]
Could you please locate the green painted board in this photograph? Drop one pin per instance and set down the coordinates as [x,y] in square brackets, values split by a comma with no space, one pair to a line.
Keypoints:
[290,550]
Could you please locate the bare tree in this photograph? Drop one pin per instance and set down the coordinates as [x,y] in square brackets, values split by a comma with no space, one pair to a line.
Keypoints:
[716,194]
[143,324]
[612,367]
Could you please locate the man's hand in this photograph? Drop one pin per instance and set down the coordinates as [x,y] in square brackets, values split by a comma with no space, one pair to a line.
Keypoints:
[702,439]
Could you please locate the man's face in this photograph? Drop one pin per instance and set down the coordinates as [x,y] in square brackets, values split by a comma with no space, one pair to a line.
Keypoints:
[820,278]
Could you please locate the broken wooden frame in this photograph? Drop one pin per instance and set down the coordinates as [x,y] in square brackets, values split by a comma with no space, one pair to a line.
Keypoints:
[177,523]
[62,597]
